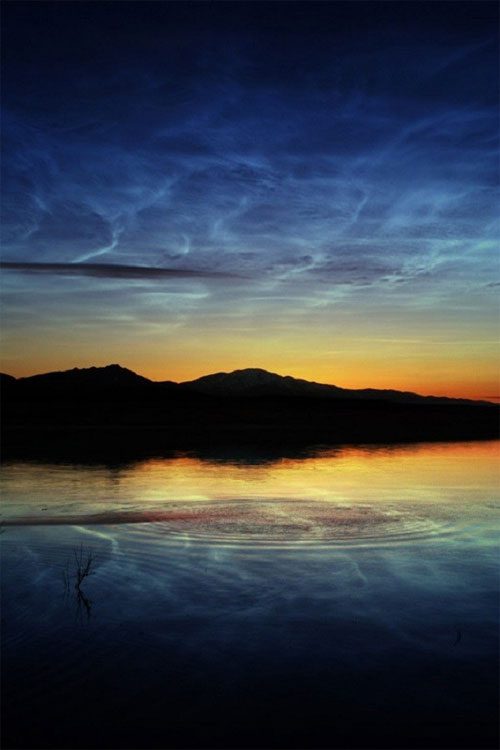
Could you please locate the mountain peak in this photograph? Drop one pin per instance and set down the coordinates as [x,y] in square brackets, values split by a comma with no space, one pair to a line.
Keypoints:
[250,373]
[113,374]
[256,381]
[252,370]
[250,381]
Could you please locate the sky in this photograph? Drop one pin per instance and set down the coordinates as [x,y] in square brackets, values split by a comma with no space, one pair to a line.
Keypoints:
[311,188]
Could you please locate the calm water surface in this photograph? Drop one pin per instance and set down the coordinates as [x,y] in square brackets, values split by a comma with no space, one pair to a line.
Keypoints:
[346,598]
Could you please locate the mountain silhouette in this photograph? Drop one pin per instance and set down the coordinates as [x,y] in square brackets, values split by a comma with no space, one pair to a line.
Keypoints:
[255,381]
[88,376]
[96,410]
[249,382]
[258,382]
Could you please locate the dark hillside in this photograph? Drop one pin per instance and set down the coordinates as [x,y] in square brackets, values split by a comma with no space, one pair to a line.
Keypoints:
[112,410]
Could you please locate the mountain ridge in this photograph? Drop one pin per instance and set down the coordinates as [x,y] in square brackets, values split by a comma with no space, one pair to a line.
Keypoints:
[113,412]
[246,382]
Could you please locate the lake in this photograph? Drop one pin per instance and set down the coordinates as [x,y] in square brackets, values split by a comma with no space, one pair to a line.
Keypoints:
[336,598]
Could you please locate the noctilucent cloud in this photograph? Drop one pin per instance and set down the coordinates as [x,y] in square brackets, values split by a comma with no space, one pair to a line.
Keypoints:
[309,188]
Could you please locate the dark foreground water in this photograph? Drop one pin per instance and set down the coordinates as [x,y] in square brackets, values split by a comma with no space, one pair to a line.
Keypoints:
[347,599]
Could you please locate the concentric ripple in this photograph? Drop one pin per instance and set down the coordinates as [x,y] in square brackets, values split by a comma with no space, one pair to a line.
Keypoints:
[270,523]
[298,524]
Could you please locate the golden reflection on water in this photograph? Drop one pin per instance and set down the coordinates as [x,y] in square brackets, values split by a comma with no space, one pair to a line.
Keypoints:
[425,473]
[333,474]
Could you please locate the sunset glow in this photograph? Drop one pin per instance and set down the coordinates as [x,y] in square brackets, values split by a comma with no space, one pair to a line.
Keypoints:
[243,185]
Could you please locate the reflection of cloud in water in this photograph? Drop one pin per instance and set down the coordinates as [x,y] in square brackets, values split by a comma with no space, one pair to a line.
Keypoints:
[359,580]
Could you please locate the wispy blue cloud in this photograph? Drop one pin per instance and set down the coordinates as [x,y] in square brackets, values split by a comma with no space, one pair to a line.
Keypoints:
[298,145]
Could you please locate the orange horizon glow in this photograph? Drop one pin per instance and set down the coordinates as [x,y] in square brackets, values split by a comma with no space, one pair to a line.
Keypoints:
[470,385]
[305,219]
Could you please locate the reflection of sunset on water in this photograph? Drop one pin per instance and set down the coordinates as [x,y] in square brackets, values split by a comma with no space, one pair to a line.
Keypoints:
[328,475]
[339,576]
[420,475]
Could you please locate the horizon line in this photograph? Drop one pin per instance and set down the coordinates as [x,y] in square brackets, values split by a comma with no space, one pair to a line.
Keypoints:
[488,399]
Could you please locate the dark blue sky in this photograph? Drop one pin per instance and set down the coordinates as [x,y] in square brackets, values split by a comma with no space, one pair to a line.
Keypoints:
[336,165]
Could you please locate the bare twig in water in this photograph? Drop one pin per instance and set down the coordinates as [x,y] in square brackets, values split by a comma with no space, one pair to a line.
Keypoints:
[82,600]
[84,561]
[83,567]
